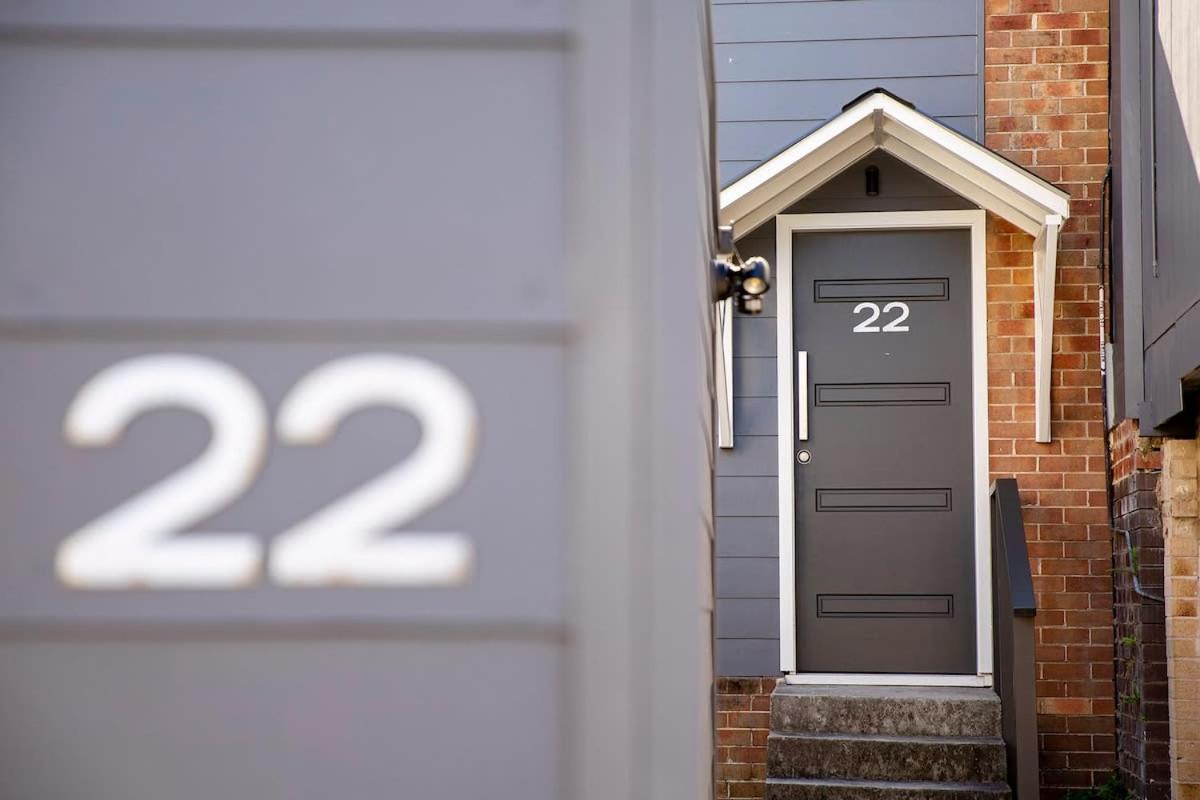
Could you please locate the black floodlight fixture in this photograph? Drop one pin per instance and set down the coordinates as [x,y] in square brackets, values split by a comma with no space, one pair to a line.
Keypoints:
[747,282]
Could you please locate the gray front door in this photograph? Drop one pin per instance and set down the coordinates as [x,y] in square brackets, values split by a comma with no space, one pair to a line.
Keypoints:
[884,484]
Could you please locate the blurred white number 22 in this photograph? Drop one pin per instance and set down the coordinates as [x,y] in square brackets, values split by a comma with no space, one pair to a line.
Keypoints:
[346,543]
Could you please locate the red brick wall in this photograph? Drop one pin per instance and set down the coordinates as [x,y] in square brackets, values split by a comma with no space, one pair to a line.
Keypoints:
[1046,109]
[743,712]
[1132,452]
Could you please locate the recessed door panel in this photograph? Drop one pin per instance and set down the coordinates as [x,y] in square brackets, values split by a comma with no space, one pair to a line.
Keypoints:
[884,482]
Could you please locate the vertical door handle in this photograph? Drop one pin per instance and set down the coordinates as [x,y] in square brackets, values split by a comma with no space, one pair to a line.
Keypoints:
[802,395]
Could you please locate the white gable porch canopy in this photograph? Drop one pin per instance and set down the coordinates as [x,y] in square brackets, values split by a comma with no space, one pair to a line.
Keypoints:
[880,121]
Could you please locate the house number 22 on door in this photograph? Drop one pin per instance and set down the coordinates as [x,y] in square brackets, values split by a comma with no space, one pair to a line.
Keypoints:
[872,314]
[346,543]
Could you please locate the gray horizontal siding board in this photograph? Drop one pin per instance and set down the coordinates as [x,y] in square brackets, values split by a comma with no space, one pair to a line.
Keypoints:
[261,710]
[730,171]
[748,578]
[40,375]
[748,536]
[937,96]
[746,497]
[755,377]
[756,416]
[374,16]
[759,140]
[839,60]
[747,657]
[754,336]
[752,456]
[210,184]
[760,22]
[748,618]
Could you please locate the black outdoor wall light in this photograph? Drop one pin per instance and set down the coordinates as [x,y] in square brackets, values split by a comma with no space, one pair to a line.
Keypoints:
[872,175]
[746,281]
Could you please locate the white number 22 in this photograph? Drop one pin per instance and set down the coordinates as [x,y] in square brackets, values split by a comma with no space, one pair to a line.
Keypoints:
[346,543]
[873,312]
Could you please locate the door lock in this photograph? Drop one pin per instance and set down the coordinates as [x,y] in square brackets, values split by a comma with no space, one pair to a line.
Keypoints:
[804,456]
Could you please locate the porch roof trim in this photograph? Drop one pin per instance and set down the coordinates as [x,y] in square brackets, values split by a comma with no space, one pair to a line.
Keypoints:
[878,120]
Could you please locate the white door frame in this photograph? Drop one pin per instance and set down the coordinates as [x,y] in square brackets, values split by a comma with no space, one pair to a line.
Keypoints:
[785,226]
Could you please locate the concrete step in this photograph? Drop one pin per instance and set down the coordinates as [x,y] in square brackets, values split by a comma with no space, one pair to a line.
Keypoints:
[959,759]
[833,789]
[886,710]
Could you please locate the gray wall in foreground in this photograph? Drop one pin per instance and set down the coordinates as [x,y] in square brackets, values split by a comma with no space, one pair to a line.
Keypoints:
[520,192]
[783,68]
[261,184]
[747,475]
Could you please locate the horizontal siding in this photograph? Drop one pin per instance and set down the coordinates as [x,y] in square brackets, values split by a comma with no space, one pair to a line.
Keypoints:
[740,496]
[750,577]
[754,456]
[424,18]
[748,618]
[785,67]
[938,96]
[747,656]
[748,536]
[841,60]
[799,21]
[254,198]
[754,336]
[755,376]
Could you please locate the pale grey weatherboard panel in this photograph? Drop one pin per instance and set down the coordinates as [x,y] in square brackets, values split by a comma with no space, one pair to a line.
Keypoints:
[795,64]
[754,336]
[510,506]
[747,578]
[747,497]
[373,16]
[834,60]
[799,21]
[209,182]
[748,536]
[755,377]
[748,657]
[747,618]
[938,96]
[754,456]
[756,416]
[281,720]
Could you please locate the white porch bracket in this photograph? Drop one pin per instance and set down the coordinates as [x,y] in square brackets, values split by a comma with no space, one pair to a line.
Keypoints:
[878,120]
[1045,260]
[723,359]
